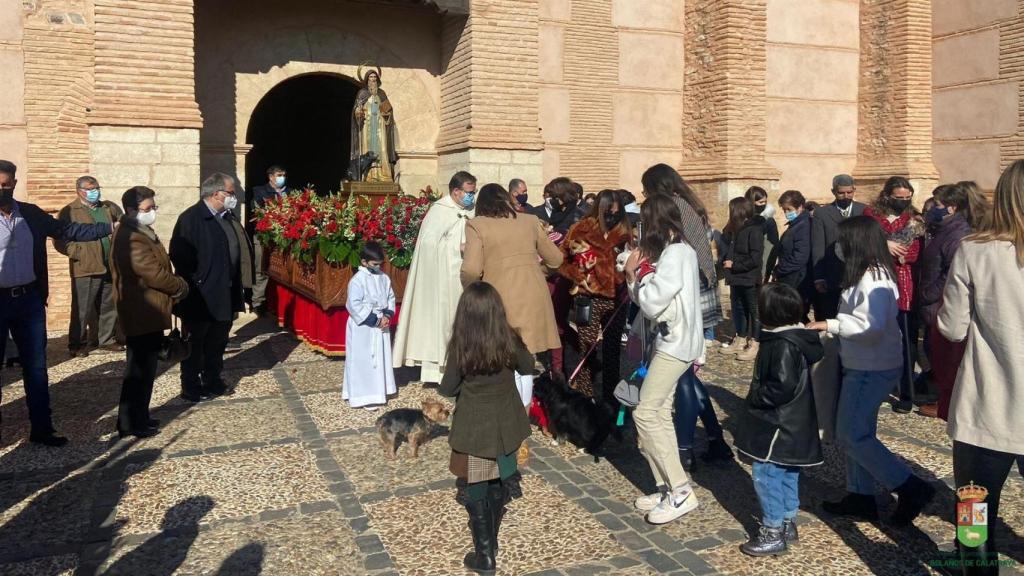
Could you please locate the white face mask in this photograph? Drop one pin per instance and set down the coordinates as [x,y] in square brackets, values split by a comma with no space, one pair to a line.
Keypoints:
[230,202]
[146,218]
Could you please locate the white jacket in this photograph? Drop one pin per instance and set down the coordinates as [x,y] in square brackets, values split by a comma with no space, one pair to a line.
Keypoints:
[672,295]
[869,334]
[983,303]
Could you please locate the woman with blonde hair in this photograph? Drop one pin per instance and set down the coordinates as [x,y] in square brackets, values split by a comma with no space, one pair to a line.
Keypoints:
[983,303]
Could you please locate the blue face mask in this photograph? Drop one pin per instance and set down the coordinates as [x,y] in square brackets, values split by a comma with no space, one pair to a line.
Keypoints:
[468,200]
[791,216]
[93,196]
[279,181]
[936,215]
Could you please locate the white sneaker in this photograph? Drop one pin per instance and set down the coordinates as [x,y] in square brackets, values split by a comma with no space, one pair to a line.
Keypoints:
[649,502]
[370,408]
[674,505]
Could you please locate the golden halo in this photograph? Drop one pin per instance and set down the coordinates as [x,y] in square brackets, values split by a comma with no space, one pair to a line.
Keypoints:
[364,69]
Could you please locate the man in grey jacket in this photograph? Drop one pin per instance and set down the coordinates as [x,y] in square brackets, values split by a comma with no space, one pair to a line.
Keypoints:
[828,266]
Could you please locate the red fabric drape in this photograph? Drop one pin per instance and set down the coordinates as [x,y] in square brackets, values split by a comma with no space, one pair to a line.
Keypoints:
[322,330]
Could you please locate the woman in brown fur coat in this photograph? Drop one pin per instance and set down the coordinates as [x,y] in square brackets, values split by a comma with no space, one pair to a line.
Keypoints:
[590,249]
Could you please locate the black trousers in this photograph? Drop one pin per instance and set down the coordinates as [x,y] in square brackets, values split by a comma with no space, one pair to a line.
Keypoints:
[987,468]
[746,306]
[826,306]
[200,372]
[137,386]
[908,329]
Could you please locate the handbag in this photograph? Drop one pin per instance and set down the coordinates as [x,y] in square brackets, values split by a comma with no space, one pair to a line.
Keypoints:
[584,310]
[174,348]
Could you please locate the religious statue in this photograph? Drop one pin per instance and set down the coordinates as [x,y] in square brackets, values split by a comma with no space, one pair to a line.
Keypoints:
[373,130]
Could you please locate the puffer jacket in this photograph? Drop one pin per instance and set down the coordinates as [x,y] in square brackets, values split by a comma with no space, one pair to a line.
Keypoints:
[780,424]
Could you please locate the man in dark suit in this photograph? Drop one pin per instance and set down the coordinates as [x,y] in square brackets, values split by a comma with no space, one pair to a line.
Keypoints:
[275,187]
[24,289]
[827,265]
[520,193]
[211,251]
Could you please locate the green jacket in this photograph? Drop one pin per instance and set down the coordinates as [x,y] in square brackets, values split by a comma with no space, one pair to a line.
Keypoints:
[489,419]
[86,257]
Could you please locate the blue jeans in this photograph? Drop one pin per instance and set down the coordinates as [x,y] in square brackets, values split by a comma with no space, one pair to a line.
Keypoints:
[691,401]
[709,333]
[25,317]
[778,491]
[739,319]
[867,459]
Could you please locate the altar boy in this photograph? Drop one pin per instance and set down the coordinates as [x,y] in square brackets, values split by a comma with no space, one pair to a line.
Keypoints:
[369,377]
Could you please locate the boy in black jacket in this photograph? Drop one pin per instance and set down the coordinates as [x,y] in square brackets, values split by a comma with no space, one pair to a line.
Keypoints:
[779,428]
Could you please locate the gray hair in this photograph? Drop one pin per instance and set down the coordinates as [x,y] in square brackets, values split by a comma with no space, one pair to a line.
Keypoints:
[82,181]
[215,183]
[515,184]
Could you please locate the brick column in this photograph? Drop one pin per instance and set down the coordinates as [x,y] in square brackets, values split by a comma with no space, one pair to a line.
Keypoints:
[724,99]
[144,123]
[489,110]
[895,119]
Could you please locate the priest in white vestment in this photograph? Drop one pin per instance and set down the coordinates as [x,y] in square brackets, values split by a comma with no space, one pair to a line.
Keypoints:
[434,287]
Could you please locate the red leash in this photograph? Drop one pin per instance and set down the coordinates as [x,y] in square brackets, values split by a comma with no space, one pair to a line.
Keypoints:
[600,337]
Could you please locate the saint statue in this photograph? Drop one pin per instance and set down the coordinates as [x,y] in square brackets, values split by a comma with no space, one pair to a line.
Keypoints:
[373,130]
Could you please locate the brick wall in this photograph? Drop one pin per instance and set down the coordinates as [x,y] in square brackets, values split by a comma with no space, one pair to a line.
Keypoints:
[58,47]
[145,64]
[895,118]
[491,70]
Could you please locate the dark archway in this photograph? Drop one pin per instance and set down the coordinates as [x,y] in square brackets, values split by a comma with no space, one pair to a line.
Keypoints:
[303,124]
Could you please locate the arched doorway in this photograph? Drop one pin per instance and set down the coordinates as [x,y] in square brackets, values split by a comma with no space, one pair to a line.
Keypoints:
[303,124]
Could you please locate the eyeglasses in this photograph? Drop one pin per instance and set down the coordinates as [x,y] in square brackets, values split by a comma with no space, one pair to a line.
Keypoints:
[226,192]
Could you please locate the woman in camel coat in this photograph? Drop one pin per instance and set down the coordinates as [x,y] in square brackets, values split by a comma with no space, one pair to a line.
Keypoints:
[505,249]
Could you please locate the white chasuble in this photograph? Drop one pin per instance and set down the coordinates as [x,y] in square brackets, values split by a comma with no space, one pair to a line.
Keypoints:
[433,290]
[369,376]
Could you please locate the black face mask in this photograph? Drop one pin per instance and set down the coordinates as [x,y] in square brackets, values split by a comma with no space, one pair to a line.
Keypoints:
[522,198]
[6,196]
[898,206]
[758,208]
[844,203]
[612,219]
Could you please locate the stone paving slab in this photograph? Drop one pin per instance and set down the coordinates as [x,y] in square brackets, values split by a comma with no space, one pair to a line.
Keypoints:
[311,544]
[541,530]
[233,484]
[63,565]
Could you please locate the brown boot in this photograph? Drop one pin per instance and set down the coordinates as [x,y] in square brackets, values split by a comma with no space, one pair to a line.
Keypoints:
[929,410]
[749,353]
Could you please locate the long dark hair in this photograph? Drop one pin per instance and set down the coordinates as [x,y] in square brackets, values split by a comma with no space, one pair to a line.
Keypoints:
[603,203]
[741,211]
[979,206]
[493,201]
[482,341]
[883,204]
[663,179]
[662,225]
[865,250]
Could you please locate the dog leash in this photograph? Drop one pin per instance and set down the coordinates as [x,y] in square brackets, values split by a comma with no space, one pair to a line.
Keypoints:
[600,337]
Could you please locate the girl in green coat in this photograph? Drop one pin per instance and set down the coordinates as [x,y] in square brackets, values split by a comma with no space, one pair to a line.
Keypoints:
[489,423]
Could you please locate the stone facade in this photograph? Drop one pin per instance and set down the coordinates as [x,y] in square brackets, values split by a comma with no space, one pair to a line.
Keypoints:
[779,93]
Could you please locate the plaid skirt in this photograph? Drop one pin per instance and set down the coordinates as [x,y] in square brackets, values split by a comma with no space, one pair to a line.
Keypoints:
[710,305]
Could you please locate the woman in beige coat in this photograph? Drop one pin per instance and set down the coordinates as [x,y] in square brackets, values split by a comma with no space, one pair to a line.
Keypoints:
[983,302]
[505,249]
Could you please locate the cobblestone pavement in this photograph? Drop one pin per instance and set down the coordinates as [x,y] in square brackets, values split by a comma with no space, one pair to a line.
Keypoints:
[283,478]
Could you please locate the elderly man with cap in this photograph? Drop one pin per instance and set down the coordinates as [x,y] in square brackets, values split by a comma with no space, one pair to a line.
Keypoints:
[24,289]
[828,266]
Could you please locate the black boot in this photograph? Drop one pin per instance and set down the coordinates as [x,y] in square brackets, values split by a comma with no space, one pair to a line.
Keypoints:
[496,501]
[982,560]
[481,526]
[717,450]
[789,532]
[914,495]
[767,542]
[861,506]
[686,458]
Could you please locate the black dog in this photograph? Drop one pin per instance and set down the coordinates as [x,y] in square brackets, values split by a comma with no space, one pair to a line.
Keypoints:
[572,415]
[358,168]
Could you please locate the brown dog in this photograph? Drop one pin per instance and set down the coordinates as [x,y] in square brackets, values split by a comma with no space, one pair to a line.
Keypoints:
[414,425]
